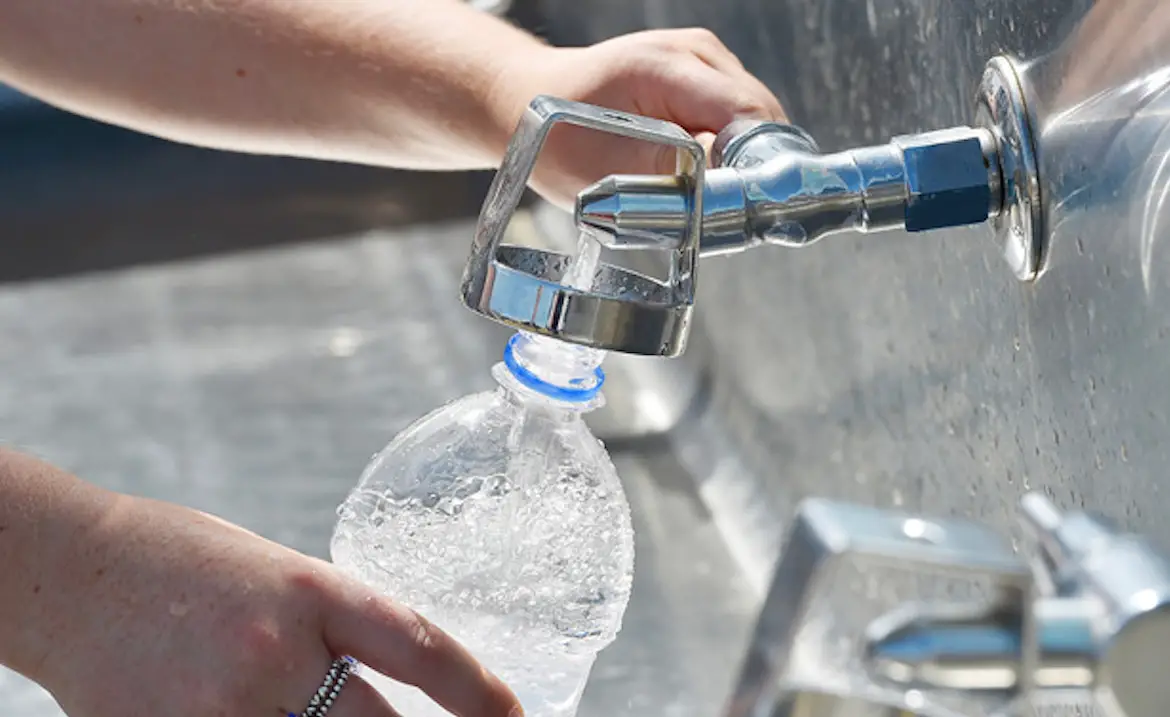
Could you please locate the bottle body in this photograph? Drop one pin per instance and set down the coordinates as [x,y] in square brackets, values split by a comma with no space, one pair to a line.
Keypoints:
[501,519]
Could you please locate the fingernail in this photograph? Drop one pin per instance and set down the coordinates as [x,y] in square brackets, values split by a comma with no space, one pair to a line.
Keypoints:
[517,711]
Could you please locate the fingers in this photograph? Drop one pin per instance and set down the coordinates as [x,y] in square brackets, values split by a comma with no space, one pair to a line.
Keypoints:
[404,646]
[707,46]
[707,140]
[768,104]
[733,86]
[703,99]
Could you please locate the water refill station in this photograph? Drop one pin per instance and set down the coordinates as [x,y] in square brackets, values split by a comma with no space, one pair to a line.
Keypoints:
[960,621]
[942,293]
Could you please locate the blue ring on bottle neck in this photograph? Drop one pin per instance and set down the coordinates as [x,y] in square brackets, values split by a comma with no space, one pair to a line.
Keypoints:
[536,383]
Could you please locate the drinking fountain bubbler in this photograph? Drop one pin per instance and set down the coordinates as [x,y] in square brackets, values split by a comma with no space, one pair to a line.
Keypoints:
[769,185]
[1085,617]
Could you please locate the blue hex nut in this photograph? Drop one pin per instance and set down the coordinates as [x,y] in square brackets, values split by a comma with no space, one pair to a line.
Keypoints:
[947,179]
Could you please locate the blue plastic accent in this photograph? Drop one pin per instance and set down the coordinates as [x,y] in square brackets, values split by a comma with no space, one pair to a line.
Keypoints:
[536,383]
[966,641]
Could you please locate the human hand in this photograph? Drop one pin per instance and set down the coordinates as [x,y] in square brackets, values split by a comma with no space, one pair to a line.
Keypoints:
[684,76]
[182,614]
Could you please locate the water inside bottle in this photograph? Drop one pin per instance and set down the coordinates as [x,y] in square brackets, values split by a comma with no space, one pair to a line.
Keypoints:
[522,551]
[536,622]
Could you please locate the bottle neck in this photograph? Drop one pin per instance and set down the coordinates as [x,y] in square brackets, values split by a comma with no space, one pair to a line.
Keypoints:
[556,371]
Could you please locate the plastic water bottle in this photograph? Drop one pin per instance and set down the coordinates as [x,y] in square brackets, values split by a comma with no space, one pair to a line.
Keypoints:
[501,519]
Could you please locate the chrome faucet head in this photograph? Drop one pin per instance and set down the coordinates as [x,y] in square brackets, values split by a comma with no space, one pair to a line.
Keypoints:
[1085,620]
[1114,589]
[784,675]
[622,310]
[749,143]
[771,185]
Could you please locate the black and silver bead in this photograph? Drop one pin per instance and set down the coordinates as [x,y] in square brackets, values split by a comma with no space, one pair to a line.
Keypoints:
[330,688]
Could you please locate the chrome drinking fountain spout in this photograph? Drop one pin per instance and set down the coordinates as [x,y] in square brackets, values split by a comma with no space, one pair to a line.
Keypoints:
[1082,618]
[1100,622]
[770,185]
[773,186]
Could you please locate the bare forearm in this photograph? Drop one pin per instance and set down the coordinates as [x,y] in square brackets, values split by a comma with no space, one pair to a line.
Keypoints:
[45,559]
[394,82]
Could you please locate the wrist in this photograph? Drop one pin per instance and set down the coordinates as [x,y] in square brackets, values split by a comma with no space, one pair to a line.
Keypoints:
[45,552]
[516,76]
[443,96]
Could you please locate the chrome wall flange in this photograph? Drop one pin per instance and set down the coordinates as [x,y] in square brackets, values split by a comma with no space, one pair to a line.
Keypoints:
[1019,228]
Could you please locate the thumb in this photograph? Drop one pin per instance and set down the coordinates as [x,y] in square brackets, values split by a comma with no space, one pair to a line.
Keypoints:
[663,159]
[404,646]
[707,139]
